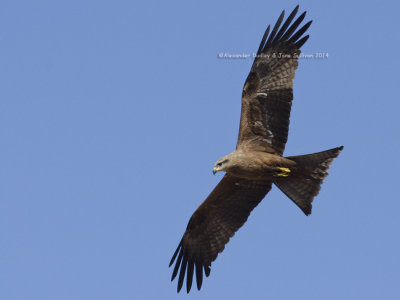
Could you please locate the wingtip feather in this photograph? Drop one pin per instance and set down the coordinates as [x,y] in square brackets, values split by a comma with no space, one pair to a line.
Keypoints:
[264,38]
[189,276]
[199,275]
[174,256]
[182,273]
[301,42]
[178,263]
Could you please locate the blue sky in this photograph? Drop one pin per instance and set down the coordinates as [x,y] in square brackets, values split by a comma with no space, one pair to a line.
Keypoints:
[113,113]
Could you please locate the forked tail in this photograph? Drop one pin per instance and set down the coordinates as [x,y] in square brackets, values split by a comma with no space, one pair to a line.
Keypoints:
[304,184]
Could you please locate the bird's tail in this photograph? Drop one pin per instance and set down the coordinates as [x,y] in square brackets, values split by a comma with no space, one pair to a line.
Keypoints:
[304,183]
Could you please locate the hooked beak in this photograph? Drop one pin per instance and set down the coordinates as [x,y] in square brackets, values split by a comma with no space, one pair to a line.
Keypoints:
[215,170]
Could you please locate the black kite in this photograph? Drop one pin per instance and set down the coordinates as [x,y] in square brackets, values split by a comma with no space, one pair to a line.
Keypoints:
[257,162]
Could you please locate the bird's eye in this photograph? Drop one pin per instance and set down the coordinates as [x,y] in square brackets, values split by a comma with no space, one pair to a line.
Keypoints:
[219,164]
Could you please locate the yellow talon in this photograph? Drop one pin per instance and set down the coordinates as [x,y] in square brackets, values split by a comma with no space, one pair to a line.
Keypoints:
[285,172]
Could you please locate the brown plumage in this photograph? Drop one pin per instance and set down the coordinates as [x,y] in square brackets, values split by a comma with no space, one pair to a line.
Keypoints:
[257,162]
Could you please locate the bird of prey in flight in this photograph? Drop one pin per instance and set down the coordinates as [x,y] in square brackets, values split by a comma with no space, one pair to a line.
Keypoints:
[257,161]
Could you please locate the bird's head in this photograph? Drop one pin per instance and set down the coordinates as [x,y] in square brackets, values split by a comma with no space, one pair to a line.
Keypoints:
[222,164]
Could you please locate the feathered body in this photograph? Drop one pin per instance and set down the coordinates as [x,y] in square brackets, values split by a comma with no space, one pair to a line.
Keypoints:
[254,165]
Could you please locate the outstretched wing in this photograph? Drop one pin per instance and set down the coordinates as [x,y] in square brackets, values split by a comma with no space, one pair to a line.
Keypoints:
[268,91]
[211,226]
